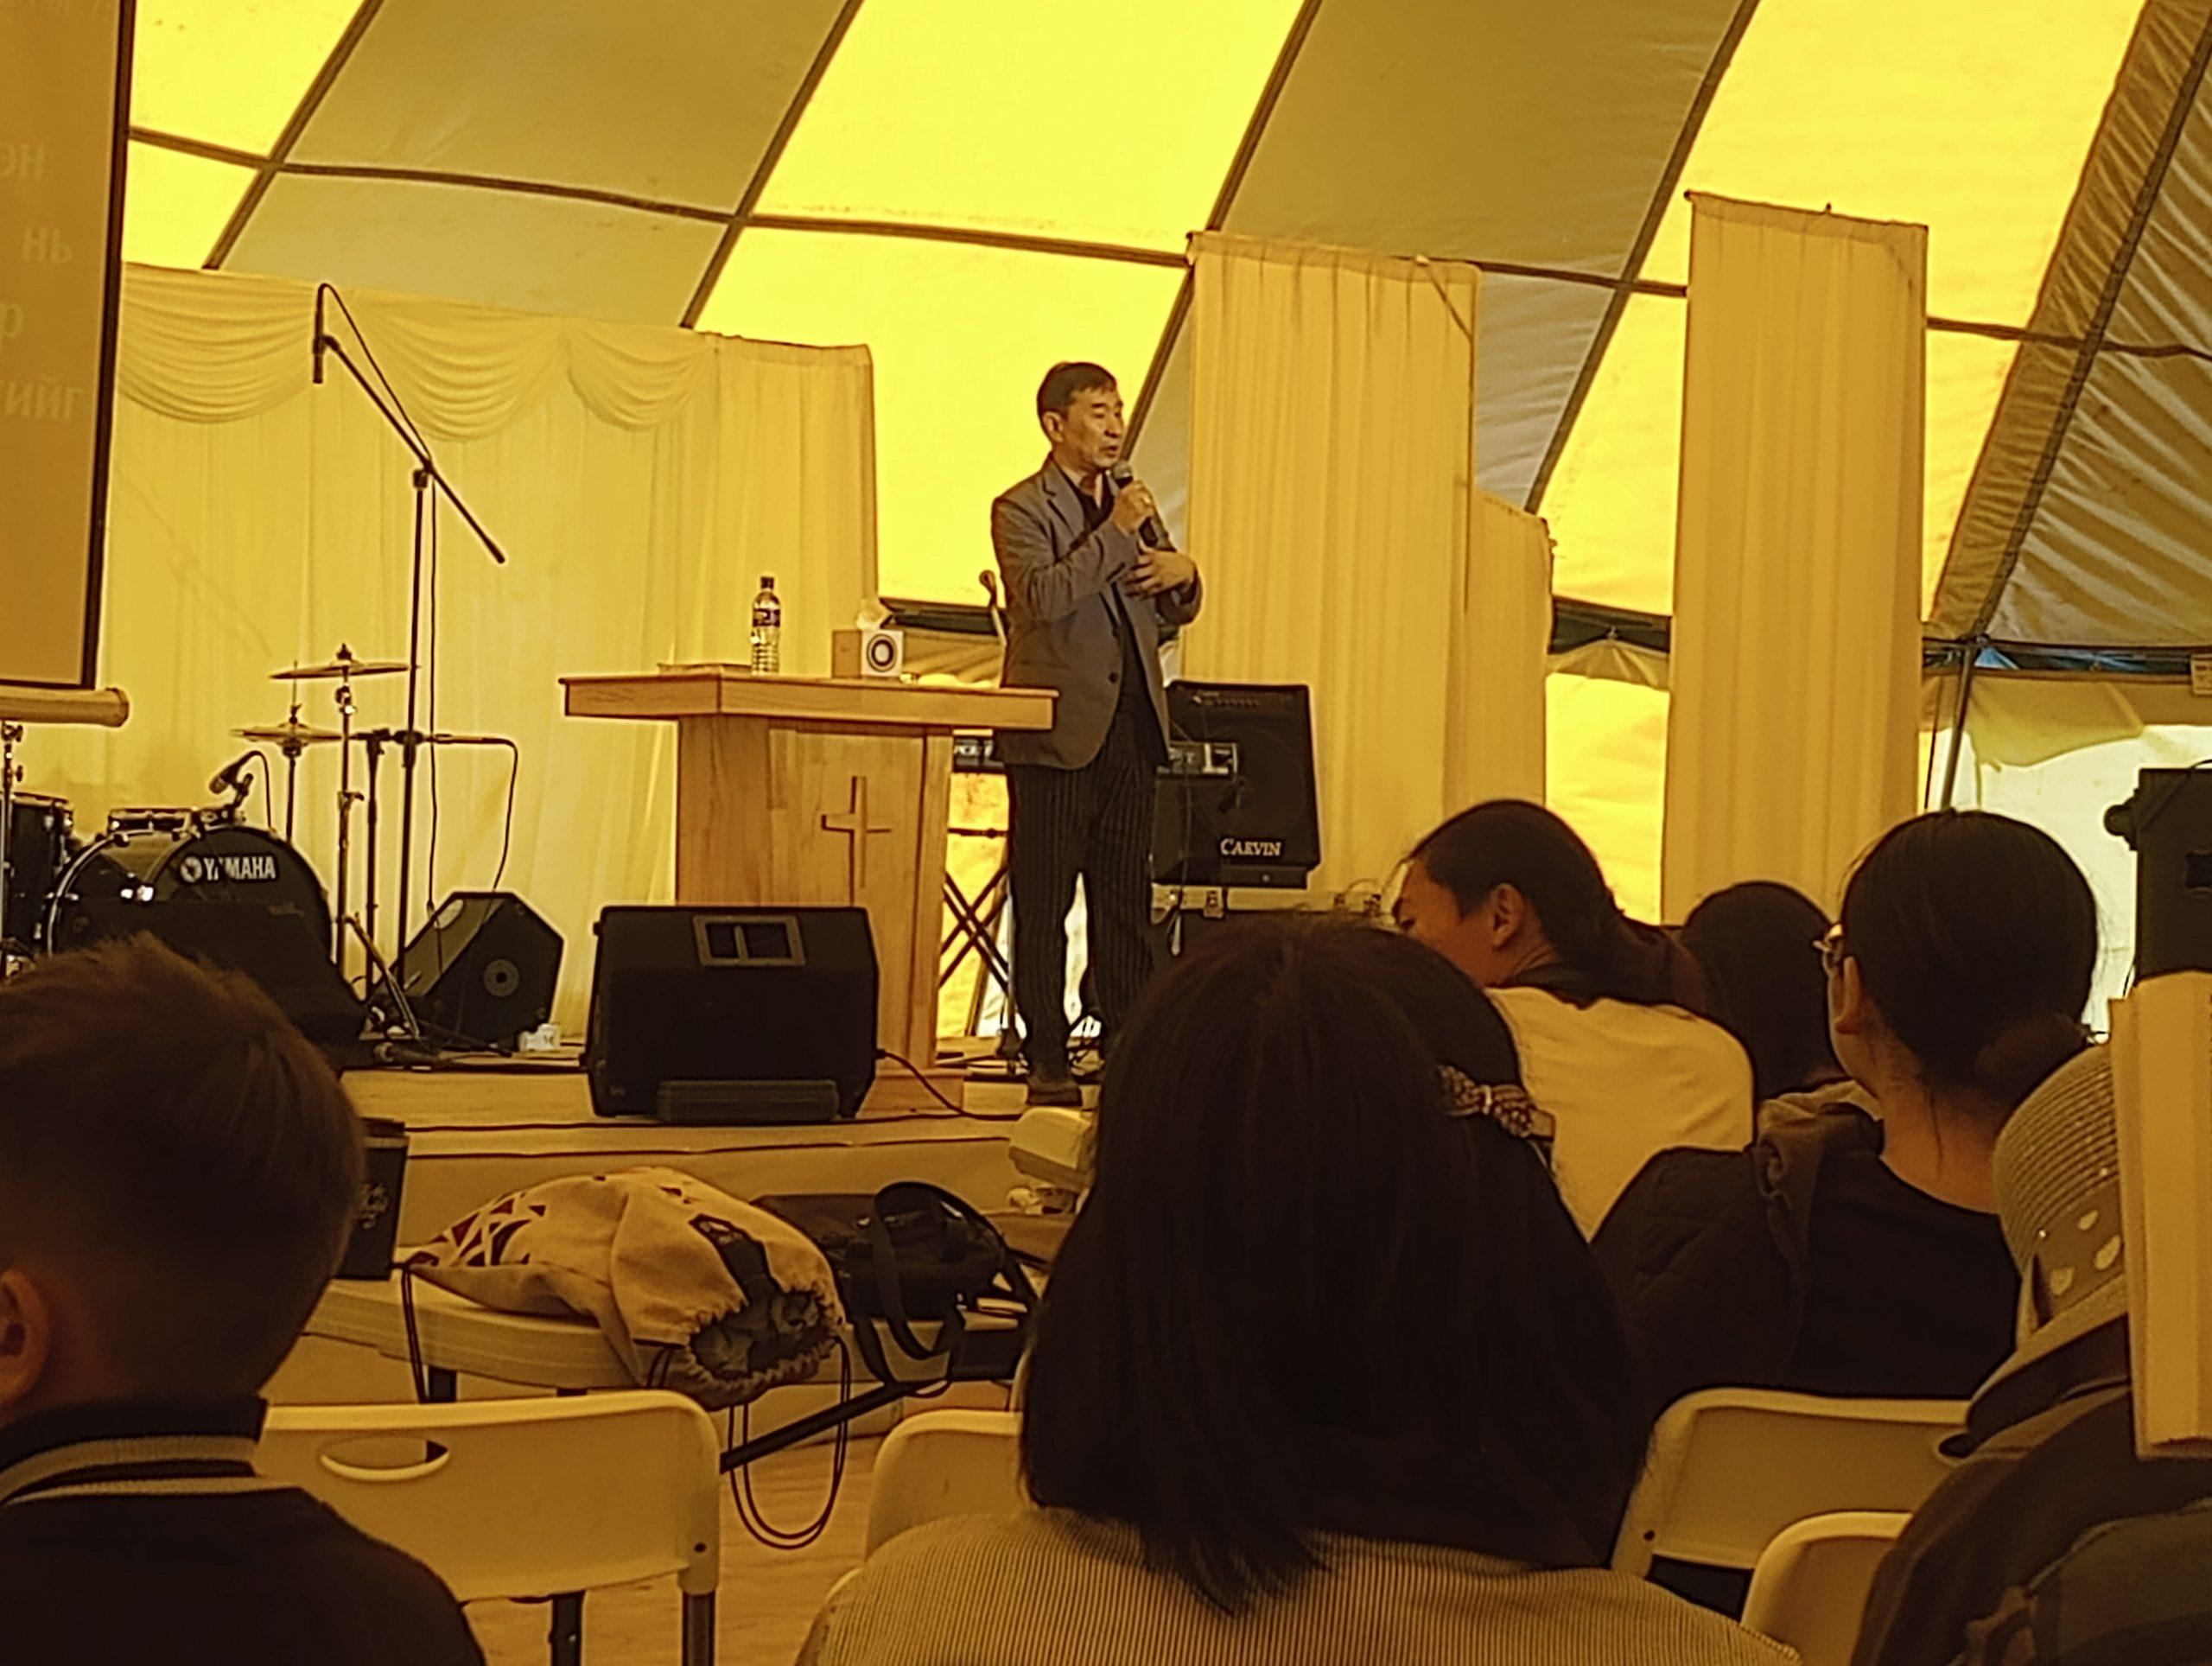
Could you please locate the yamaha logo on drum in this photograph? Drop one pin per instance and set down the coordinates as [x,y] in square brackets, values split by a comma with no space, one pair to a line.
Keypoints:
[253,869]
[1246,849]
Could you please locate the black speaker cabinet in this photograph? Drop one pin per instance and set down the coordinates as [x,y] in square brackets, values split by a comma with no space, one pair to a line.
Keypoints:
[707,1015]
[2169,823]
[482,972]
[1259,827]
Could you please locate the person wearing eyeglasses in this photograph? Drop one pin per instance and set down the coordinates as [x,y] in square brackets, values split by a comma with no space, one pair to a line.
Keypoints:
[1843,1256]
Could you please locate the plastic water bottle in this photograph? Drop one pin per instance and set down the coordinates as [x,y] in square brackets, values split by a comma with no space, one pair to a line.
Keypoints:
[767,629]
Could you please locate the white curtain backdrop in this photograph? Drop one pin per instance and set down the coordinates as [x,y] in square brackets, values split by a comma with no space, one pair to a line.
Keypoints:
[1332,507]
[1791,732]
[1494,742]
[641,480]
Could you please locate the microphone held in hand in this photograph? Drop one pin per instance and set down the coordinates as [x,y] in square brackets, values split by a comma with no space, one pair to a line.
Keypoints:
[1152,534]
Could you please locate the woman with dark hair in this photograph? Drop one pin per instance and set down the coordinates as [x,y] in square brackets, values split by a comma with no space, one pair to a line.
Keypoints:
[1840,1256]
[1324,1370]
[1604,1010]
[1766,991]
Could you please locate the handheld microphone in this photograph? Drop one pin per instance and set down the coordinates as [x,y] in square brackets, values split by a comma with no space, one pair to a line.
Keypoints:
[1152,534]
[989,581]
[321,339]
[226,778]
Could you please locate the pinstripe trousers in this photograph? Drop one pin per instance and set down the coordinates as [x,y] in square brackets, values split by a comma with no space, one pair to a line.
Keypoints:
[1094,822]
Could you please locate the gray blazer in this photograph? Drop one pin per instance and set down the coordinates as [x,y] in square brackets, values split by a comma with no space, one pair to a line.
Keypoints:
[1059,626]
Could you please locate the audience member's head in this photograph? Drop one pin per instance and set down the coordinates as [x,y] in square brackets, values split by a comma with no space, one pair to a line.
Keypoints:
[1751,943]
[1963,962]
[178,1172]
[1506,890]
[1316,1289]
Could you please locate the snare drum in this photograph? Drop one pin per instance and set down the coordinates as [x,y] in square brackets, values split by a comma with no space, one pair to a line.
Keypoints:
[38,849]
[148,860]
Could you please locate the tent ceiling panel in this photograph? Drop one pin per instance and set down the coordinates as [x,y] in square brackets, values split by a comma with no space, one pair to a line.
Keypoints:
[1518,133]
[665,99]
[1921,110]
[1533,336]
[175,205]
[229,71]
[1611,501]
[2088,498]
[1008,116]
[1465,132]
[2117,554]
[961,335]
[541,254]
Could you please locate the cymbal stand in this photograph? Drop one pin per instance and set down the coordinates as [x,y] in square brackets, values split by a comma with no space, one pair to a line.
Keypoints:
[346,799]
[292,748]
[373,742]
[11,775]
[380,971]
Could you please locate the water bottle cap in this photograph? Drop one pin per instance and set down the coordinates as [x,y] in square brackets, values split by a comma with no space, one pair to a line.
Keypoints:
[767,582]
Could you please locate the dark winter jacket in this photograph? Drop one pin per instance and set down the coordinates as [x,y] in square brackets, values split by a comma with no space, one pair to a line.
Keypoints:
[1803,1263]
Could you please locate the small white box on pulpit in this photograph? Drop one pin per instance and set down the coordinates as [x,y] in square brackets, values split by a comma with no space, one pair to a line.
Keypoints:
[872,653]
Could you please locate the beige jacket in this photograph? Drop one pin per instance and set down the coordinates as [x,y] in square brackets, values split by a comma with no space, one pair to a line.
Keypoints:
[1059,625]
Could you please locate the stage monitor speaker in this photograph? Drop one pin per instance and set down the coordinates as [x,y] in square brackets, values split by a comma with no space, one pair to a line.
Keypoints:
[482,972]
[723,1014]
[2168,824]
[1259,827]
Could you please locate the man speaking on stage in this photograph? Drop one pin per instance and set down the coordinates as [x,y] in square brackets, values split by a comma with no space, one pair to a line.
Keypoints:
[1091,579]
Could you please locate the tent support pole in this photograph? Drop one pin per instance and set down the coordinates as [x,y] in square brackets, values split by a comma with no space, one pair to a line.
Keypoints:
[1958,719]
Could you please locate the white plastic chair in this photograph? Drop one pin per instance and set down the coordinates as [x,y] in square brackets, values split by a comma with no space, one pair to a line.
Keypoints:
[945,1463]
[532,1498]
[1729,1468]
[1809,1589]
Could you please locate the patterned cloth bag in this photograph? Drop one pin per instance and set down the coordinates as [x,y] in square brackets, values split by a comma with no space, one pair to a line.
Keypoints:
[694,1290]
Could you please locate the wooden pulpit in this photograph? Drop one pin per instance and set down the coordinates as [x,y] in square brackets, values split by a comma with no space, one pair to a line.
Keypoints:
[806,792]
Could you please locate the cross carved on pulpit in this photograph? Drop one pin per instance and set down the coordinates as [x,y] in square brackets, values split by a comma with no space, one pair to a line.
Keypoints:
[854,824]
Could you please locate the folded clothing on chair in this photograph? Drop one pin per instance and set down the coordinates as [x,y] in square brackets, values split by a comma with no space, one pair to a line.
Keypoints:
[694,1290]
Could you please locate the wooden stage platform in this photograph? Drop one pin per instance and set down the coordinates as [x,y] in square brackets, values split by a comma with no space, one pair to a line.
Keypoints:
[475,1131]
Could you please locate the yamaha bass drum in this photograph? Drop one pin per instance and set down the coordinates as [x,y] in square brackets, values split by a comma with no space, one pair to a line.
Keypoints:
[149,861]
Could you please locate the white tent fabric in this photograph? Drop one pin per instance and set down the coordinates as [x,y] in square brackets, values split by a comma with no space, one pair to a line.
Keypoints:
[2088,520]
[1494,739]
[641,480]
[1333,431]
[1801,433]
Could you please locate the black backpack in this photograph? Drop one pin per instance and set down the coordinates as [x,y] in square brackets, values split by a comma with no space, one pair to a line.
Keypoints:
[910,1253]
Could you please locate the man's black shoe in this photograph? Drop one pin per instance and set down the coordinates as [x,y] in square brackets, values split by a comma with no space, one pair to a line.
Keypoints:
[1054,1088]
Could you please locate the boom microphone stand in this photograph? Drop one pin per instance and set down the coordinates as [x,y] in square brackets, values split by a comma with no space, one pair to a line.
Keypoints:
[427,477]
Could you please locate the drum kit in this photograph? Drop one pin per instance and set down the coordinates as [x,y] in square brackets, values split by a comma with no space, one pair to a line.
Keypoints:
[60,891]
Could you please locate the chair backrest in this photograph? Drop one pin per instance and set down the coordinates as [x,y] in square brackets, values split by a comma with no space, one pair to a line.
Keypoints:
[945,1463]
[1729,1468]
[1809,1589]
[519,1498]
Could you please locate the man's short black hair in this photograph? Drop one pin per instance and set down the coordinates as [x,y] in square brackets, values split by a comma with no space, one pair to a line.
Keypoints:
[1067,382]
[170,1139]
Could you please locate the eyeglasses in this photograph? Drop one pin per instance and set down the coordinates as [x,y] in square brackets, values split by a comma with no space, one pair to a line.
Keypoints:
[1829,947]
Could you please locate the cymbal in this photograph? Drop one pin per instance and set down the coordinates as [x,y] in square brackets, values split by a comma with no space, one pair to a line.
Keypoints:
[345,668]
[289,734]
